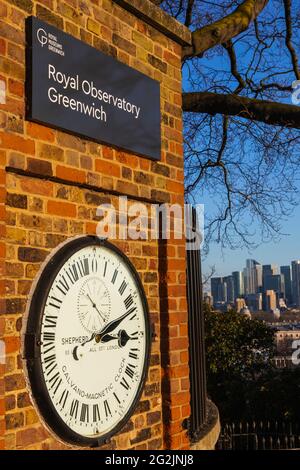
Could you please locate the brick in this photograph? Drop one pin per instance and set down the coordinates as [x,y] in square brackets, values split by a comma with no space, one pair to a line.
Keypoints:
[64,209]
[160,196]
[24,287]
[32,255]
[10,402]
[157,63]
[15,305]
[25,5]
[93,26]
[124,44]
[39,167]
[104,47]
[16,52]
[23,400]
[12,34]
[155,444]
[15,142]
[49,17]
[71,174]
[15,124]
[14,421]
[96,199]
[67,140]
[37,131]
[153,417]
[160,169]
[16,160]
[14,382]
[35,221]
[53,239]
[30,436]
[142,435]
[142,40]
[150,277]
[108,168]
[12,69]
[143,178]
[16,200]
[12,344]
[50,152]
[15,87]
[31,417]
[34,186]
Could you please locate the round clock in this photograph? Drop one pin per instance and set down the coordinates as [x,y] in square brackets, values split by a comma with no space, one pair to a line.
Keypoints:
[87,341]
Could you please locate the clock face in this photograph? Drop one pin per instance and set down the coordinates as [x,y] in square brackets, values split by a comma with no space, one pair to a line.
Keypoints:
[88,321]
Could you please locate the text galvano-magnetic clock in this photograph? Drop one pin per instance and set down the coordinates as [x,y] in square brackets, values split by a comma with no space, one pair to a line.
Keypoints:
[87,341]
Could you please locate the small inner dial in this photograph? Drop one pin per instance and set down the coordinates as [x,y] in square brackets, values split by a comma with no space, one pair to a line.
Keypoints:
[93,304]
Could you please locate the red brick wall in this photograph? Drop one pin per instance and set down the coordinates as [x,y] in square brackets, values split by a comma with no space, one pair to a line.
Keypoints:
[45,205]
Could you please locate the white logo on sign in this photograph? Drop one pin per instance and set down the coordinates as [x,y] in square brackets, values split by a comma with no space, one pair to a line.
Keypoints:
[42,36]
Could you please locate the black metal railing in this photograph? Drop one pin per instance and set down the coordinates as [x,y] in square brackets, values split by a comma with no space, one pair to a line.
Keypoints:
[267,435]
[196,332]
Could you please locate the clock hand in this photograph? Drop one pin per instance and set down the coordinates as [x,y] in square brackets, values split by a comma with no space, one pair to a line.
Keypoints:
[112,325]
[122,338]
[95,307]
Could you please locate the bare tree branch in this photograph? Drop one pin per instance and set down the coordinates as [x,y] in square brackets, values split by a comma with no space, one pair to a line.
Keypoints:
[225,29]
[288,39]
[189,11]
[268,112]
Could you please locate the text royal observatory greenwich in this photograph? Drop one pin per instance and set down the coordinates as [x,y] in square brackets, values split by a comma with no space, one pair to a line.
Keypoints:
[89,89]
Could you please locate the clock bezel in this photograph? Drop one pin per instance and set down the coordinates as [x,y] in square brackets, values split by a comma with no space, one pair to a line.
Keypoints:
[32,344]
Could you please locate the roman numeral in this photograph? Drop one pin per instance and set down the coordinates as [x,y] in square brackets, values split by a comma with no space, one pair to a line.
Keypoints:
[129,370]
[50,321]
[133,354]
[83,267]
[84,414]
[74,408]
[117,398]
[55,381]
[50,363]
[122,287]
[96,413]
[94,265]
[128,301]
[64,286]
[107,408]
[55,302]
[125,384]
[73,274]
[105,267]
[113,279]
[63,398]
[49,336]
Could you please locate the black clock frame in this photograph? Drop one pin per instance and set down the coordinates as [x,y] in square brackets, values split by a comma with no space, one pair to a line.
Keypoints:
[32,343]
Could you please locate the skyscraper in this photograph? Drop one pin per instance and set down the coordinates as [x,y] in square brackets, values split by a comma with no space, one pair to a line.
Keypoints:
[275,282]
[218,290]
[252,276]
[268,270]
[229,286]
[296,282]
[286,272]
[238,284]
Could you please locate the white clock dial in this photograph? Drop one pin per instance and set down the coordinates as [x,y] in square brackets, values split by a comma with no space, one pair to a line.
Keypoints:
[93,340]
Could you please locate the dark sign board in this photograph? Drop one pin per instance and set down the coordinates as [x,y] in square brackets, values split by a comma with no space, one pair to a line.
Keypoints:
[76,88]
